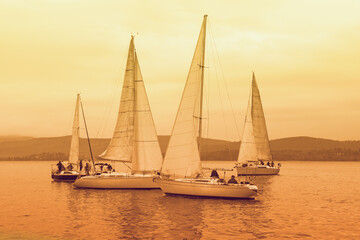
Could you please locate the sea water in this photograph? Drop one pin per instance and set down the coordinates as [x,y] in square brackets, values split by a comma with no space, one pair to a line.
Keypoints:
[307,200]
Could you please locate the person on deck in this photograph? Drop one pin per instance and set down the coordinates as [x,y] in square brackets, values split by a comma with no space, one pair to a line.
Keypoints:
[261,162]
[60,166]
[272,164]
[80,165]
[268,163]
[70,167]
[109,167]
[87,168]
[232,180]
[214,174]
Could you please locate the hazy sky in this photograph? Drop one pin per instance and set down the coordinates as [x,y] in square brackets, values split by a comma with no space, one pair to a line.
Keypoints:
[305,54]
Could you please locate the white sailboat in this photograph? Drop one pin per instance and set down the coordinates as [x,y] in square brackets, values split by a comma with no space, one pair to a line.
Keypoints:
[181,171]
[255,147]
[134,140]
[69,170]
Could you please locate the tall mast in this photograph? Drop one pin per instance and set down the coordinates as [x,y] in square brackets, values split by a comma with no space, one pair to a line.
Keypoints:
[134,101]
[135,109]
[202,66]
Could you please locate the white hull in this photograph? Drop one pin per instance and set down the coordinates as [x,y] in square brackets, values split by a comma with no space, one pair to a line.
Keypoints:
[110,181]
[207,189]
[256,170]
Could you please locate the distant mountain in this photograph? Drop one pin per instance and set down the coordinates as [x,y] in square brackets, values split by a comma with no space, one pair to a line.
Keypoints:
[294,148]
[58,147]
[314,149]
[61,145]
[309,143]
[10,138]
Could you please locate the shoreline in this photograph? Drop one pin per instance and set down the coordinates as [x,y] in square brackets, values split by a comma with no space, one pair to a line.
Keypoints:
[47,160]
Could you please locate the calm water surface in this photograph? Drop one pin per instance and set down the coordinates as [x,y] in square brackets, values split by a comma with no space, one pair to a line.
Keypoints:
[314,200]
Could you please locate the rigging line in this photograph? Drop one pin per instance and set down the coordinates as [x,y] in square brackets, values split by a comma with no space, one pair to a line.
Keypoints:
[110,106]
[126,165]
[218,84]
[246,120]
[226,88]
[70,121]
[87,134]
[110,102]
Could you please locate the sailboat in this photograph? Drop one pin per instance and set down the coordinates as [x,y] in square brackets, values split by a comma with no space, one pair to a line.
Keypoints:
[134,139]
[181,171]
[255,147]
[69,170]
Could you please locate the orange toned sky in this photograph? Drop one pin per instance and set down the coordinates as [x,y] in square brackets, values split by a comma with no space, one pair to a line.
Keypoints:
[306,56]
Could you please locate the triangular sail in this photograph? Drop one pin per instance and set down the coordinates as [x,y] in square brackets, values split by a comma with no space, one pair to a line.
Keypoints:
[259,125]
[146,152]
[74,146]
[182,157]
[255,142]
[121,144]
[248,151]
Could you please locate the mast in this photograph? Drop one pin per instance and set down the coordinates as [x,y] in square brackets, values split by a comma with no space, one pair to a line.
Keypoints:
[134,95]
[135,152]
[87,133]
[202,66]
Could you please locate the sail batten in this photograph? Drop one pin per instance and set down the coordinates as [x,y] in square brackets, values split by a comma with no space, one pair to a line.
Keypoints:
[182,157]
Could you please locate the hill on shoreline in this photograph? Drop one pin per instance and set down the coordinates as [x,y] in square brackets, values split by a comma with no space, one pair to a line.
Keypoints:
[293,148]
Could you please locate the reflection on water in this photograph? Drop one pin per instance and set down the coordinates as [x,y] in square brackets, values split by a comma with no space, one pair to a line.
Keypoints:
[315,199]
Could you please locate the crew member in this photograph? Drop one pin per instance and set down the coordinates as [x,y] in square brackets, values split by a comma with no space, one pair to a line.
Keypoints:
[214,174]
[60,166]
[232,180]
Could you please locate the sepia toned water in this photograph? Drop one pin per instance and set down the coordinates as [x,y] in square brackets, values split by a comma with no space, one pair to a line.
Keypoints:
[311,200]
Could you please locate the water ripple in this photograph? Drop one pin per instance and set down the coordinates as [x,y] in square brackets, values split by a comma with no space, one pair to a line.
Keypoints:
[307,201]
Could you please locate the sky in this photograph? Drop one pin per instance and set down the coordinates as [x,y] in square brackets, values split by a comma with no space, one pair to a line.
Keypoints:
[305,55]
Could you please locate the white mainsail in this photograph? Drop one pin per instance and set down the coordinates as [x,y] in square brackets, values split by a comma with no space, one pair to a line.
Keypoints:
[120,147]
[259,124]
[146,151]
[182,158]
[135,139]
[255,142]
[75,137]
